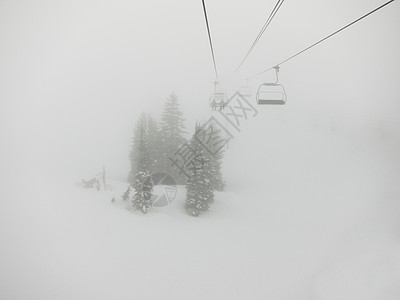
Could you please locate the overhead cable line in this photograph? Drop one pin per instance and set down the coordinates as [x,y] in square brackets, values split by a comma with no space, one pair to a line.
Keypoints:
[209,38]
[325,38]
[271,16]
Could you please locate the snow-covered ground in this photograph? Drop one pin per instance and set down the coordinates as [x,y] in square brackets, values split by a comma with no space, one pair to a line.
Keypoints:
[309,213]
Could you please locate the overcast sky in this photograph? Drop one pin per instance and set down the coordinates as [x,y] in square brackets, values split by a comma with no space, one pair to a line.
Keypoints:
[75,75]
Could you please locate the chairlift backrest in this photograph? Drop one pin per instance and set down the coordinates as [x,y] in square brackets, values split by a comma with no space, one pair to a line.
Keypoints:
[245,91]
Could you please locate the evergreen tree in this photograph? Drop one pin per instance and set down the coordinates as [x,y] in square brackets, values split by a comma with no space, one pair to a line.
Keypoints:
[215,155]
[214,139]
[141,162]
[217,181]
[155,145]
[139,154]
[125,196]
[199,191]
[172,133]
[143,186]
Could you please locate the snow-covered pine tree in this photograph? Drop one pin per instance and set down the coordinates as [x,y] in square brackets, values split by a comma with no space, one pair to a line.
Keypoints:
[125,196]
[155,145]
[216,155]
[143,186]
[139,154]
[172,133]
[217,181]
[199,191]
[133,153]
[140,164]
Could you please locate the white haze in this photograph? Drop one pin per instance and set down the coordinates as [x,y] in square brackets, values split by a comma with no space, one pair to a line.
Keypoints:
[75,76]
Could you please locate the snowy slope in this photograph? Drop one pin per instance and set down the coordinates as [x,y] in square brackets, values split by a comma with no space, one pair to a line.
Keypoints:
[312,214]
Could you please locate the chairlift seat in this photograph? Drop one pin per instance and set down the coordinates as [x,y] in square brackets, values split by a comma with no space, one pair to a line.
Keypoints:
[271,94]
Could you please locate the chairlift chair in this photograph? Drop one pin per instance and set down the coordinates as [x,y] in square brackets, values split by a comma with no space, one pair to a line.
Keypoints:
[218,99]
[271,93]
[245,91]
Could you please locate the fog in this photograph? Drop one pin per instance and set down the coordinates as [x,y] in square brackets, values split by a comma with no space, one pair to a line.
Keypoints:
[76,75]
